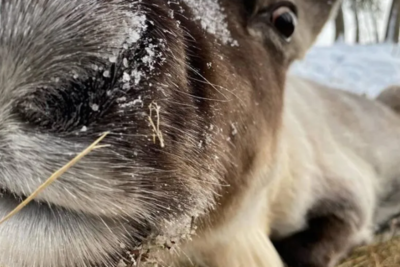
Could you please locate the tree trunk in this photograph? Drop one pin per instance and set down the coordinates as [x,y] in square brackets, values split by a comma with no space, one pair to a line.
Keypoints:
[339,25]
[357,23]
[393,25]
[374,25]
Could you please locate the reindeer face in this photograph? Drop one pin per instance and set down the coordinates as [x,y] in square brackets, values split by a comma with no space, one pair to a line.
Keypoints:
[190,91]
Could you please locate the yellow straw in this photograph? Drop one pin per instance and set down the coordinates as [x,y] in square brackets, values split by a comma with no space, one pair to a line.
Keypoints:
[54,177]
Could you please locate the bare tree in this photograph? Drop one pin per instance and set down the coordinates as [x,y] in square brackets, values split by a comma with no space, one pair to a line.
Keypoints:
[355,8]
[339,25]
[374,12]
[393,25]
[366,13]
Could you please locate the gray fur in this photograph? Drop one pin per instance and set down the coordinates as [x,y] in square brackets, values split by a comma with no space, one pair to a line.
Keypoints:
[111,197]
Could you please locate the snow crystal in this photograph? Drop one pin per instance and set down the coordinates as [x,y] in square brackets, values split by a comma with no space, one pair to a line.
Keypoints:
[125,63]
[121,99]
[126,86]
[134,103]
[212,18]
[234,129]
[112,59]
[95,107]
[106,74]
[122,264]
[171,14]
[126,77]
[56,80]
[138,101]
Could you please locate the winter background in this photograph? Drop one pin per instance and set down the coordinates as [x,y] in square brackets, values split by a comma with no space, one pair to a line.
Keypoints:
[364,64]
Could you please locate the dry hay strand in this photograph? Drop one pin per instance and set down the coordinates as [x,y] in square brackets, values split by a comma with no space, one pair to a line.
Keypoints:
[381,254]
[54,177]
[156,126]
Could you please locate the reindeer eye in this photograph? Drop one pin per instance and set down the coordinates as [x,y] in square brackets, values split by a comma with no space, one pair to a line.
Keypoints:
[284,21]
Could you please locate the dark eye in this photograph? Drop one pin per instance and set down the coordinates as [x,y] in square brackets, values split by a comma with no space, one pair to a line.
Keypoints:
[284,20]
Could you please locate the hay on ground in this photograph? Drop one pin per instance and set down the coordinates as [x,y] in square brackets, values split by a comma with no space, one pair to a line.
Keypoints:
[380,254]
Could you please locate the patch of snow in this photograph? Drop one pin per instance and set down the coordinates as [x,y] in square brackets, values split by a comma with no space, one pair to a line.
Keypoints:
[137,75]
[362,69]
[212,18]
[136,26]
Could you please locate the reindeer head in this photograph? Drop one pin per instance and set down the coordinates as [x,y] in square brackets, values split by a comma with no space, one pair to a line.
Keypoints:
[190,91]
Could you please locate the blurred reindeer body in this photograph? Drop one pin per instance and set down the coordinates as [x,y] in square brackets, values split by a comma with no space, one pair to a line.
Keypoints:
[180,154]
[338,182]
[208,135]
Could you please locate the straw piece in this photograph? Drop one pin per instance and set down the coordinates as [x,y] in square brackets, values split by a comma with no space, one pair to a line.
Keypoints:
[54,177]
[156,127]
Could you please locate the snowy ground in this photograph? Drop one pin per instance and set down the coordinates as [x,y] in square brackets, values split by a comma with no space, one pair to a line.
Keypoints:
[360,69]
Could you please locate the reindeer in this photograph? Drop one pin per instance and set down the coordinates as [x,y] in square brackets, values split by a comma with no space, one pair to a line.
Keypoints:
[215,155]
